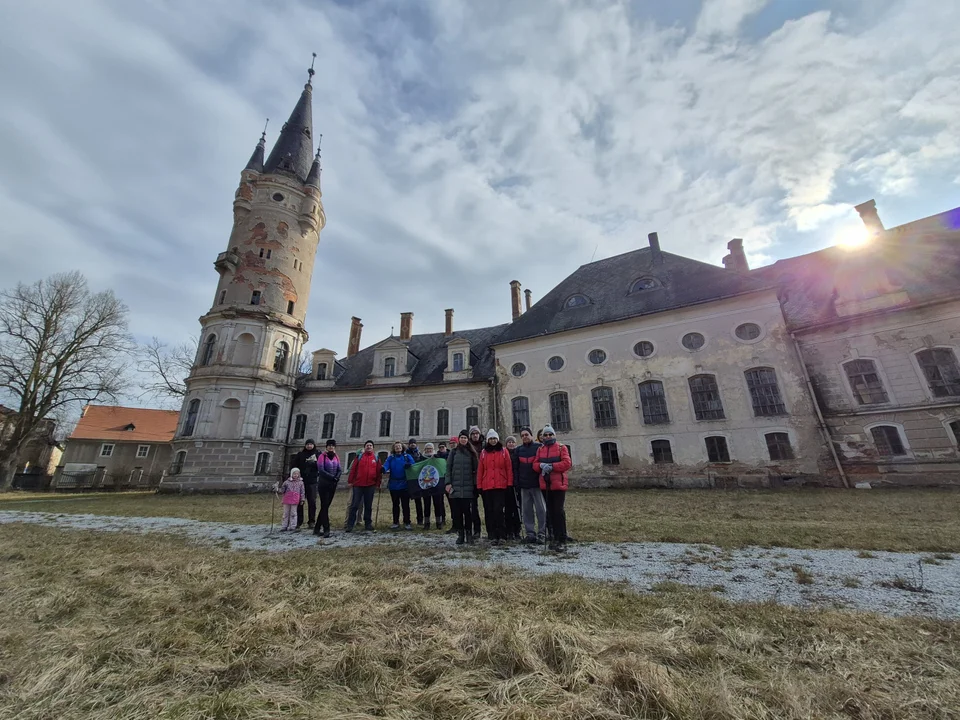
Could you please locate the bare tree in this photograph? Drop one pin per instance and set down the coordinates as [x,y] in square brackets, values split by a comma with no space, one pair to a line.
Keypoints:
[60,345]
[165,368]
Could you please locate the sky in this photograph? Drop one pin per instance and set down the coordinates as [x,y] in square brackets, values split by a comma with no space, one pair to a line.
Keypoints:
[465,144]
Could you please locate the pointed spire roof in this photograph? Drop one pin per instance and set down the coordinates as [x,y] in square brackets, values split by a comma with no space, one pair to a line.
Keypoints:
[255,162]
[314,177]
[293,152]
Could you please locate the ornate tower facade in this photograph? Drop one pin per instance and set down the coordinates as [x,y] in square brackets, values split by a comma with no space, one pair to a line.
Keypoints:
[233,423]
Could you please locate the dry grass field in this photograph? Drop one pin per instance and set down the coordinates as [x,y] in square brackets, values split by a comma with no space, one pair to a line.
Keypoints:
[118,626]
[900,520]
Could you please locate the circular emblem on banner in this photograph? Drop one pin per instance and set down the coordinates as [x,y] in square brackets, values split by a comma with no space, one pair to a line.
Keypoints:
[429,477]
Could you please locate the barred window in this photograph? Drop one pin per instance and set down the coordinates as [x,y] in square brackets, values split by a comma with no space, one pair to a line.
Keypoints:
[604,410]
[473,417]
[662,452]
[706,397]
[356,425]
[299,427]
[193,411]
[887,439]
[269,426]
[560,411]
[717,449]
[443,422]
[609,454]
[263,464]
[414,425]
[764,392]
[865,382]
[778,445]
[653,402]
[385,418]
[521,413]
[939,366]
[326,432]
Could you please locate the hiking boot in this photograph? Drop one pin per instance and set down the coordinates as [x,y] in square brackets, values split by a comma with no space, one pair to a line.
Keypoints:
[460,538]
[368,528]
[426,525]
[441,523]
[561,547]
[348,528]
[326,533]
[471,539]
[310,524]
[529,540]
[451,531]
[395,526]
[408,526]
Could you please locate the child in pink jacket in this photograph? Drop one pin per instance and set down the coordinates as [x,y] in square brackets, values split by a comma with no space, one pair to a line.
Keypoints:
[294,493]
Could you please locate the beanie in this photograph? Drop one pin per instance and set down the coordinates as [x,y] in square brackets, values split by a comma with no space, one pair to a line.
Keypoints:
[491,433]
[464,433]
[509,438]
[428,446]
[454,440]
[331,443]
[548,429]
[474,428]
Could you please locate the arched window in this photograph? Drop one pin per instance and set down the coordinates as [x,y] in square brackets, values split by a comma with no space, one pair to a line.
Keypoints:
[521,413]
[356,425]
[280,357]
[604,408]
[299,427]
[888,441]
[193,412]
[940,368]
[243,350]
[443,422]
[706,397]
[764,392]
[662,452]
[269,426]
[321,371]
[263,464]
[327,431]
[178,461]
[457,362]
[390,367]
[208,348]
[865,382]
[653,402]
[560,411]
[385,418]
[609,454]
[350,458]
[414,424]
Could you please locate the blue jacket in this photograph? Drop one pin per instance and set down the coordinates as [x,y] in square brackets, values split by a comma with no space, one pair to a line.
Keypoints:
[397,466]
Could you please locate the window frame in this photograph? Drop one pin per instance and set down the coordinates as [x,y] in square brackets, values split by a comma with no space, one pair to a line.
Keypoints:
[560,424]
[388,416]
[458,367]
[591,363]
[523,369]
[767,433]
[256,297]
[391,364]
[651,343]
[605,445]
[281,355]
[697,410]
[576,296]
[191,419]
[146,453]
[597,414]
[466,414]
[662,399]
[653,451]
[726,447]
[706,340]
[852,389]
[443,430]
[299,426]
[324,434]
[764,386]
[107,450]
[414,430]
[268,430]
[563,363]
[264,468]
[322,369]
[176,467]
[354,417]
[208,350]
[901,438]
[748,321]
[520,412]
[925,379]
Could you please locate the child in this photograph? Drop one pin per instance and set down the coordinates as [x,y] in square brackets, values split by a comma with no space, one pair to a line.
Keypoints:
[294,494]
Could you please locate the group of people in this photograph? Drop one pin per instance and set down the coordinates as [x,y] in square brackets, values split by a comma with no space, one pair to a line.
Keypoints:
[522,487]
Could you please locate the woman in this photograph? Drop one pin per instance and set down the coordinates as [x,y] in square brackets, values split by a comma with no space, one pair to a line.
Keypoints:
[552,463]
[460,482]
[511,509]
[432,496]
[328,473]
[396,465]
[495,479]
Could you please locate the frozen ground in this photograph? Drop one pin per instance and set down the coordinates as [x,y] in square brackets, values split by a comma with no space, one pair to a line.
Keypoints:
[883,582]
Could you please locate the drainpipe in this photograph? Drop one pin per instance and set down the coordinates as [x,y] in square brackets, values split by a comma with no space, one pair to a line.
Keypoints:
[495,391]
[821,423]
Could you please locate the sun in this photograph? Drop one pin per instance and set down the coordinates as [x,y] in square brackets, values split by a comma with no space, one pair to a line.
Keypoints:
[852,238]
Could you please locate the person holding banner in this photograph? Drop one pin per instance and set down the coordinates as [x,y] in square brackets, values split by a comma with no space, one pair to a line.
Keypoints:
[396,465]
[426,479]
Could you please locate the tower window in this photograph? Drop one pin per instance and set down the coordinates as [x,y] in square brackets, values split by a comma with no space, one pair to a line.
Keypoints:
[269,426]
[193,411]
[289,307]
[280,357]
[209,347]
[223,297]
[177,466]
[278,197]
[261,252]
[263,464]
[269,253]
[255,298]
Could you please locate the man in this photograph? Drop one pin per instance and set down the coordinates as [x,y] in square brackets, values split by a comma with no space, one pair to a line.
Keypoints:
[414,452]
[306,461]
[511,503]
[442,451]
[552,463]
[365,477]
[531,497]
[476,440]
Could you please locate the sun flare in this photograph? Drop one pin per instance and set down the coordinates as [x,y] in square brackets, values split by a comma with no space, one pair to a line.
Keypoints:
[852,239]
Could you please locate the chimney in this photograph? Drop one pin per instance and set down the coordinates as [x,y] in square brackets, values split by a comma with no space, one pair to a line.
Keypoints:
[868,213]
[515,298]
[529,297]
[737,259]
[406,325]
[448,329]
[353,345]
[656,256]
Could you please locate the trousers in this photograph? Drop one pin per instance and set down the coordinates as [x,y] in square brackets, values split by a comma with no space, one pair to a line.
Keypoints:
[439,509]
[534,507]
[401,501]
[325,492]
[361,496]
[462,517]
[558,519]
[289,517]
[311,493]
[493,504]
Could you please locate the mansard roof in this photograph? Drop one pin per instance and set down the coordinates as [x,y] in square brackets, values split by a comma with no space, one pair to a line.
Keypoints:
[431,353]
[606,287]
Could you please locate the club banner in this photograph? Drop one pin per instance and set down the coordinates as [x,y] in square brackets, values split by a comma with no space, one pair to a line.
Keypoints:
[428,473]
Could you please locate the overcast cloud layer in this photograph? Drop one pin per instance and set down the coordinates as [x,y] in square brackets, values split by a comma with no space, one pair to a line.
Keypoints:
[465,144]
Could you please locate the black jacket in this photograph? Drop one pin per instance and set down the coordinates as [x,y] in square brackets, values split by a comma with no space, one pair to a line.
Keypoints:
[524,476]
[306,460]
[462,473]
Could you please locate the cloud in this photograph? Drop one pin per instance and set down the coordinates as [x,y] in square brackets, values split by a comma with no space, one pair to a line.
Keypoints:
[464,144]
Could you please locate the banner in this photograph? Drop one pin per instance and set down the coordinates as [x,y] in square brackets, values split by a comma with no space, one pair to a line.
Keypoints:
[427,474]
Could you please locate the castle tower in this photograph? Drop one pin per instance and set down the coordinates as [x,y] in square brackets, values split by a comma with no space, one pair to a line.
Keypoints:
[233,423]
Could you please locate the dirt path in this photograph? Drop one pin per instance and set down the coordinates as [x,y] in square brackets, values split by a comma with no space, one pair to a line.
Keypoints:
[883,582]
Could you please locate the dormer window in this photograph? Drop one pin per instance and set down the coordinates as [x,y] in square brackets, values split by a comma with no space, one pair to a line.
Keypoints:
[646,283]
[322,371]
[575,301]
[457,362]
[390,367]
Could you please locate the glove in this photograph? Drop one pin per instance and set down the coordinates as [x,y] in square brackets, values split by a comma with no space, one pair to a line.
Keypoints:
[546,468]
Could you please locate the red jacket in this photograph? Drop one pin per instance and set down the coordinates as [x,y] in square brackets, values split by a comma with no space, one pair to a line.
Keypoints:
[495,471]
[558,456]
[365,471]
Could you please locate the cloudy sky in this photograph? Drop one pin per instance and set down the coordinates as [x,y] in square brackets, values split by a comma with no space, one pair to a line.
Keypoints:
[465,144]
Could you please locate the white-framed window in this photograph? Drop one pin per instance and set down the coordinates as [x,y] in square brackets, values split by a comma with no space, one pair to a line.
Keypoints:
[889,439]
[390,367]
[718,448]
[106,450]
[865,381]
[609,453]
[143,451]
[940,370]
[457,361]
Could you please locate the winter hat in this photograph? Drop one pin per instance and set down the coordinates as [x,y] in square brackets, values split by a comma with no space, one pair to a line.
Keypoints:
[491,433]
[455,440]
[509,438]
[309,442]
[330,443]
[428,446]
[473,428]
[412,441]
[548,429]
[463,433]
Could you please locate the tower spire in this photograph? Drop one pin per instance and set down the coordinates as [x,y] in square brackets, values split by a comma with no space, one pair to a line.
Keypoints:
[314,177]
[256,160]
[293,153]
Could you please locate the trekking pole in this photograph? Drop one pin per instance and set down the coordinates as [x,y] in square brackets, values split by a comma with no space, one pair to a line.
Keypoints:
[376,519]
[273,507]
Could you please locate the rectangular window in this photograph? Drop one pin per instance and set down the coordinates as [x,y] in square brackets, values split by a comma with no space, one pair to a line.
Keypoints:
[717,449]
[177,466]
[300,427]
[865,382]
[887,439]
[443,423]
[609,454]
[778,445]
[389,367]
[473,417]
[255,298]
[604,411]
[269,426]
[106,450]
[327,431]
[560,411]
[414,423]
[322,371]
[289,307]
[706,397]
[457,362]
[955,429]
[661,451]
[269,253]
[521,413]
[143,451]
[263,464]
[940,368]
[385,418]
[261,252]
[356,425]
[223,297]
[764,392]
[653,401]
